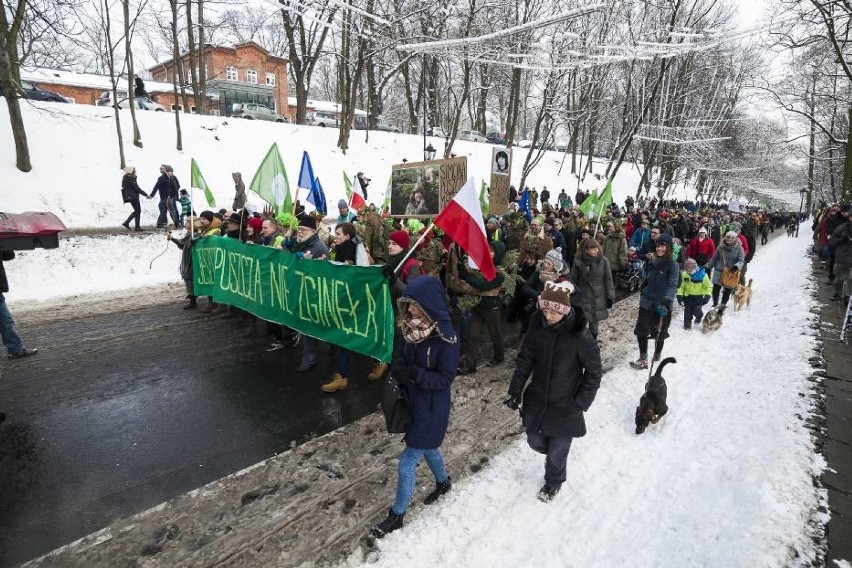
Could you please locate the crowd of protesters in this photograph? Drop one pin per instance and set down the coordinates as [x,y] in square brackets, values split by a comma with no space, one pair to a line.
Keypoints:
[557,273]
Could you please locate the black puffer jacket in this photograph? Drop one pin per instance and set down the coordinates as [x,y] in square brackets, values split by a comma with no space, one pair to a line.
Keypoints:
[565,364]
[4,283]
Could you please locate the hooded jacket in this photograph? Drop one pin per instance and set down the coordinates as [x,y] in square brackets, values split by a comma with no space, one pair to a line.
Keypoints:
[697,284]
[660,284]
[566,370]
[726,257]
[592,280]
[436,360]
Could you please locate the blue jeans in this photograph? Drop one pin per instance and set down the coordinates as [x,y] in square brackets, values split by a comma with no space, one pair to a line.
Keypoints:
[8,332]
[405,484]
[309,351]
[342,361]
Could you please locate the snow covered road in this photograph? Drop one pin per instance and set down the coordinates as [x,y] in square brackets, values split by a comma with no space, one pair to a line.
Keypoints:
[725,479]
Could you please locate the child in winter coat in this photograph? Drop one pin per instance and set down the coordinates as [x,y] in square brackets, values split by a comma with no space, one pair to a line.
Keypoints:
[694,291]
[185,206]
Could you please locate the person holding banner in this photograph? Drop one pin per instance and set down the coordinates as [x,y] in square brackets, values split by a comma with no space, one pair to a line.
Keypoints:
[425,367]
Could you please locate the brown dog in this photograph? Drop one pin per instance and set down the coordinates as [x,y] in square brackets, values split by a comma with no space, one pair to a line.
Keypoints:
[712,320]
[742,296]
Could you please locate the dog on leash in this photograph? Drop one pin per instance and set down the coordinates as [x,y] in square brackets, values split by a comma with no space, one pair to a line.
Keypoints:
[791,230]
[712,320]
[652,405]
[742,296]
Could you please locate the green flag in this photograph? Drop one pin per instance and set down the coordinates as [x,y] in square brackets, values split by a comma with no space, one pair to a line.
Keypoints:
[348,186]
[270,181]
[483,198]
[588,205]
[605,200]
[197,181]
[387,201]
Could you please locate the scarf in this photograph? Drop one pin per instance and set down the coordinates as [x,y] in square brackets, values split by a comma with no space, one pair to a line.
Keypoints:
[547,275]
[301,246]
[395,259]
[414,330]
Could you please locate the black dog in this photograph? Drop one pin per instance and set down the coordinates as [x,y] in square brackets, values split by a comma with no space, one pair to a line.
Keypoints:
[652,405]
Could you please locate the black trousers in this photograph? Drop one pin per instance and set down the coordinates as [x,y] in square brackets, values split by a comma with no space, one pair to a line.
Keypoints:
[649,324]
[490,319]
[726,295]
[556,450]
[137,213]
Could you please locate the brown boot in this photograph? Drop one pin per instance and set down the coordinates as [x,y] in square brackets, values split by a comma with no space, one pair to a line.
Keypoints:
[378,371]
[337,382]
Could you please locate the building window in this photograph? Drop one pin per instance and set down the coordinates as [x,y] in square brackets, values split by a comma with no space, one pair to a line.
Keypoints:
[231,74]
[251,76]
[270,79]
[177,108]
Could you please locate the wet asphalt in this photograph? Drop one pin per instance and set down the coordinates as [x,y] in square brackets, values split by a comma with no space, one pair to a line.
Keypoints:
[120,412]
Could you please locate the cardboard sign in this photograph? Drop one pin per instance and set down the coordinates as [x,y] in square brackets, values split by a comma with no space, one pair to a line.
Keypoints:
[422,189]
[501,168]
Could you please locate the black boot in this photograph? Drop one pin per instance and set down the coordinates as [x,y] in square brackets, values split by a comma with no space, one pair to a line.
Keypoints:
[440,489]
[547,493]
[192,304]
[389,525]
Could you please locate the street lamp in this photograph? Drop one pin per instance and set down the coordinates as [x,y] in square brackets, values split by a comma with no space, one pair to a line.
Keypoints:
[429,152]
[802,192]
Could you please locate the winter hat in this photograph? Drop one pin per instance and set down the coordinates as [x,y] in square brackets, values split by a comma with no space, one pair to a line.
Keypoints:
[690,265]
[735,227]
[665,239]
[555,257]
[309,222]
[255,223]
[342,203]
[731,234]
[499,251]
[219,215]
[556,297]
[236,219]
[401,238]
[703,230]
[130,170]
[207,215]
[549,221]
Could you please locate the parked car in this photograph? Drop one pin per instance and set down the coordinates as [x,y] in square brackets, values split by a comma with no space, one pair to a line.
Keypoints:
[255,111]
[471,136]
[142,103]
[385,126]
[437,132]
[34,93]
[323,118]
[496,137]
[525,143]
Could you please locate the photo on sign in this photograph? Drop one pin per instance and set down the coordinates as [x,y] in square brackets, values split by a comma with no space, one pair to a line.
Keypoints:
[414,191]
[500,160]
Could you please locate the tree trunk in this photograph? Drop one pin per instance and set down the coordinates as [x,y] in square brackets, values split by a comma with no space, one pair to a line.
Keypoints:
[8,72]
[176,55]
[191,51]
[811,145]
[200,94]
[846,190]
[514,106]
[131,87]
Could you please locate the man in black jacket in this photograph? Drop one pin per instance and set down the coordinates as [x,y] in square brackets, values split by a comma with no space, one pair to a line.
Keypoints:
[8,332]
[565,364]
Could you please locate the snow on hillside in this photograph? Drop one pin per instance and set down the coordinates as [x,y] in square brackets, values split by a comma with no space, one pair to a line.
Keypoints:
[76,175]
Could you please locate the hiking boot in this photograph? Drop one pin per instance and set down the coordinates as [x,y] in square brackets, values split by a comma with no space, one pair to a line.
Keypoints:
[191,305]
[440,489]
[656,358]
[23,354]
[338,382]
[378,371]
[390,524]
[305,367]
[547,493]
[639,364]
[126,226]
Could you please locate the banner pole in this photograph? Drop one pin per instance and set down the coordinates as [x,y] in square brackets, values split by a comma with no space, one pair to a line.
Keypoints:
[412,249]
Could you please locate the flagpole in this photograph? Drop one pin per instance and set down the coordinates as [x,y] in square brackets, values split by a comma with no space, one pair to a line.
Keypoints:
[598,222]
[191,211]
[412,249]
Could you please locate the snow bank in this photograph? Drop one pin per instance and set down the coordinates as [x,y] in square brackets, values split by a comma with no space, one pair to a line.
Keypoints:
[725,479]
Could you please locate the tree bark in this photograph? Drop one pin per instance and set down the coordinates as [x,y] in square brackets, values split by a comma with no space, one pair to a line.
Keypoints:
[191,53]
[131,91]
[176,55]
[8,72]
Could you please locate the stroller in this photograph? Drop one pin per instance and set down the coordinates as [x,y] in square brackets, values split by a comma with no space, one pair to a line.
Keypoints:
[632,277]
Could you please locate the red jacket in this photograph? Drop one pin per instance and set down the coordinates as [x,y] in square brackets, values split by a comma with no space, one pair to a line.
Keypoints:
[629,228]
[701,251]
[744,242]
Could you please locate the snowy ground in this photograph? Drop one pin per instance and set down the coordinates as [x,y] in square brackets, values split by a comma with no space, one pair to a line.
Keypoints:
[725,479]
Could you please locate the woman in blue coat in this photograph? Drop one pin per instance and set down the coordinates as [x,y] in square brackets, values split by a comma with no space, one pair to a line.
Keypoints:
[426,369]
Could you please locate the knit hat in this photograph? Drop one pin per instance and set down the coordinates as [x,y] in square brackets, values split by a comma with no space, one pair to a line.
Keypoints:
[735,227]
[690,265]
[236,219]
[703,230]
[555,257]
[207,215]
[665,239]
[130,170]
[255,223]
[731,234]
[556,297]
[401,238]
[549,221]
[309,222]
[342,203]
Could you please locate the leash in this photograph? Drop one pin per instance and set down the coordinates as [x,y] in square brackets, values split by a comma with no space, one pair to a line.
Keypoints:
[168,239]
[651,365]
[847,320]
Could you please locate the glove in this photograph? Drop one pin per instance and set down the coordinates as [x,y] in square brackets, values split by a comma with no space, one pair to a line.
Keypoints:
[680,300]
[661,310]
[706,299]
[608,303]
[300,255]
[735,269]
[404,373]
[513,402]
[389,273]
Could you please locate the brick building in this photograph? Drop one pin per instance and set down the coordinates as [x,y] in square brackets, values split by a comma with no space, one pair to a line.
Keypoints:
[245,73]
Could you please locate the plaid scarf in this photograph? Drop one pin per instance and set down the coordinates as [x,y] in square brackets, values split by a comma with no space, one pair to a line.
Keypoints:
[415,330]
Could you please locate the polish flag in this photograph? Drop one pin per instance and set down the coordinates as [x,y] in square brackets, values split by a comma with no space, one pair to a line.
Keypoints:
[356,197]
[461,219]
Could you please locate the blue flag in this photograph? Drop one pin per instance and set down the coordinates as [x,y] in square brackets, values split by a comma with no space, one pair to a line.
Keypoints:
[524,206]
[309,182]
[317,197]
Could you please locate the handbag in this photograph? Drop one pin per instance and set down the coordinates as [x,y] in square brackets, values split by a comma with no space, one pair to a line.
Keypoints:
[395,406]
[729,279]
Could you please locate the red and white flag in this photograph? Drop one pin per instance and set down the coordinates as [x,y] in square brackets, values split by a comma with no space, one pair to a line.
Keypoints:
[355,193]
[461,219]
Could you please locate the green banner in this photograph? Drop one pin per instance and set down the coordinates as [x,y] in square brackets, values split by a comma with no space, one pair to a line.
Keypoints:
[345,305]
